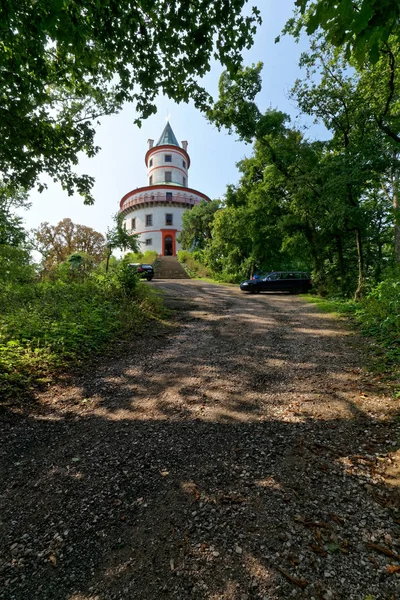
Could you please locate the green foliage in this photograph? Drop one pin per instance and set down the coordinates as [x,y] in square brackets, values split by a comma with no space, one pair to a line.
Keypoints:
[15,265]
[127,277]
[119,237]
[377,314]
[45,325]
[195,263]
[235,108]
[76,267]
[331,204]
[148,257]
[197,225]
[64,64]
[362,28]
[12,232]
[72,313]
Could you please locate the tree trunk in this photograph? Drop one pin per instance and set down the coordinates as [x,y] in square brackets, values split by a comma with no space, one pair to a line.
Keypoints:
[396,208]
[360,255]
[394,183]
[341,262]
[378,270]
[108,257]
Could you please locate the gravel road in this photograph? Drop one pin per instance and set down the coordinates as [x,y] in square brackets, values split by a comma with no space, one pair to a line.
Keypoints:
[238,451]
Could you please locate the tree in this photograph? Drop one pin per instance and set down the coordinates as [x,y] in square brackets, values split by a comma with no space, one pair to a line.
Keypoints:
[15,261]
[327,187]
[281,153]
[12,232]
[57,242]
[197,225]
[360,108]
[360,27]
[118,237]
[63,64]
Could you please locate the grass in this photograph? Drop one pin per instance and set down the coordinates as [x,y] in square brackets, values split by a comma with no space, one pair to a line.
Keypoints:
[49,326]
[377,318]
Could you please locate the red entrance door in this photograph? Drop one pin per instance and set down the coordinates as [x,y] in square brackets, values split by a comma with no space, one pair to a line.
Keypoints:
[168,243]
[168,246]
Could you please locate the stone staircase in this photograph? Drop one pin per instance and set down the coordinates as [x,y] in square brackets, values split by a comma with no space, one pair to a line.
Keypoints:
[168,267]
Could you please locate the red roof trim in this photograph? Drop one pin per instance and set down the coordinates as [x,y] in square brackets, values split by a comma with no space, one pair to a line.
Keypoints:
[145,231]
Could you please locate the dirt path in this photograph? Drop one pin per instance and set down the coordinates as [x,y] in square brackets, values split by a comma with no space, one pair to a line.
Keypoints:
[240,453]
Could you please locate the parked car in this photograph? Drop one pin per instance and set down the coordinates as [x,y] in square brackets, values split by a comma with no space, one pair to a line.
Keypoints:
[257,276]
[144,271]
[294,282]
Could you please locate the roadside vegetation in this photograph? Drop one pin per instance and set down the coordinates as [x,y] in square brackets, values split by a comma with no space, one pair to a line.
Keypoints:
[194,264]
[377,315]
[66,309]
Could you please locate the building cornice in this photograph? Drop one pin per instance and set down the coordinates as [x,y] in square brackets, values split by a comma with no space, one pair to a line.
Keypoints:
[164,230]
[163,187]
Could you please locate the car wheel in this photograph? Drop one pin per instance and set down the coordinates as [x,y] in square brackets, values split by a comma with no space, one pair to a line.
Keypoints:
[254,290]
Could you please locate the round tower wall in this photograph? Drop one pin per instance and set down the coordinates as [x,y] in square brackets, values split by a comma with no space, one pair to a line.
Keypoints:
[166,165]
[165,221]
[160,217]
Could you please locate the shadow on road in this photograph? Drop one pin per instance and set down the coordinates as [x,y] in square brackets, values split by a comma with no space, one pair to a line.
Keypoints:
[240,458]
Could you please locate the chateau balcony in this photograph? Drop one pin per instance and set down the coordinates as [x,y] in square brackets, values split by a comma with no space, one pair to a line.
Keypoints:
[161,194]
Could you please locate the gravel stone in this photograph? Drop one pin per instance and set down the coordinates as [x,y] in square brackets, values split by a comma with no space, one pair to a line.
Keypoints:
[237,451]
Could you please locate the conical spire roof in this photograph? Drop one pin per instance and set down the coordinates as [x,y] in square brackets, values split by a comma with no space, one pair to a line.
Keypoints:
[168,137]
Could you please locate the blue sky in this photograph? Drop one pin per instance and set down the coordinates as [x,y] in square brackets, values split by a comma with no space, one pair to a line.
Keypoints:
[119,166]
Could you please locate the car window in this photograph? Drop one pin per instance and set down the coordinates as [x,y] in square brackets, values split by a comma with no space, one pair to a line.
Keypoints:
[147,266]
[272,277]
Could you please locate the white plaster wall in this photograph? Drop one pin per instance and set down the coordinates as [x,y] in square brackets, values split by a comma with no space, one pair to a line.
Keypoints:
[156,238]
[159,166]
[153,232]
[158,213]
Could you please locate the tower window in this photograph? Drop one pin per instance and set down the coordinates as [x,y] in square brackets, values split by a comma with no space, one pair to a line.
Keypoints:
[151,180]
[167,158]
[151,162]
[168,175]
[168,219]
[149,242]
[149,220]
[168,196]
[184,164]
[133,223]
[184,181]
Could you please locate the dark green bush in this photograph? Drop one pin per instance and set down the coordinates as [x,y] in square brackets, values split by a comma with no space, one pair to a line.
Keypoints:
[379,314]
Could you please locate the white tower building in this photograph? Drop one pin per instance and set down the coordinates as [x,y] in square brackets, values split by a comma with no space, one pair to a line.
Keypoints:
[154,212]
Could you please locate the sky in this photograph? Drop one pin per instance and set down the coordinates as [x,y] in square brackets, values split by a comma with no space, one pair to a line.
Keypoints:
[119,166]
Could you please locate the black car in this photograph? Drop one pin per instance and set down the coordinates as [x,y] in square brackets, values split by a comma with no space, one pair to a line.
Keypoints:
[294,282]
[144,271]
